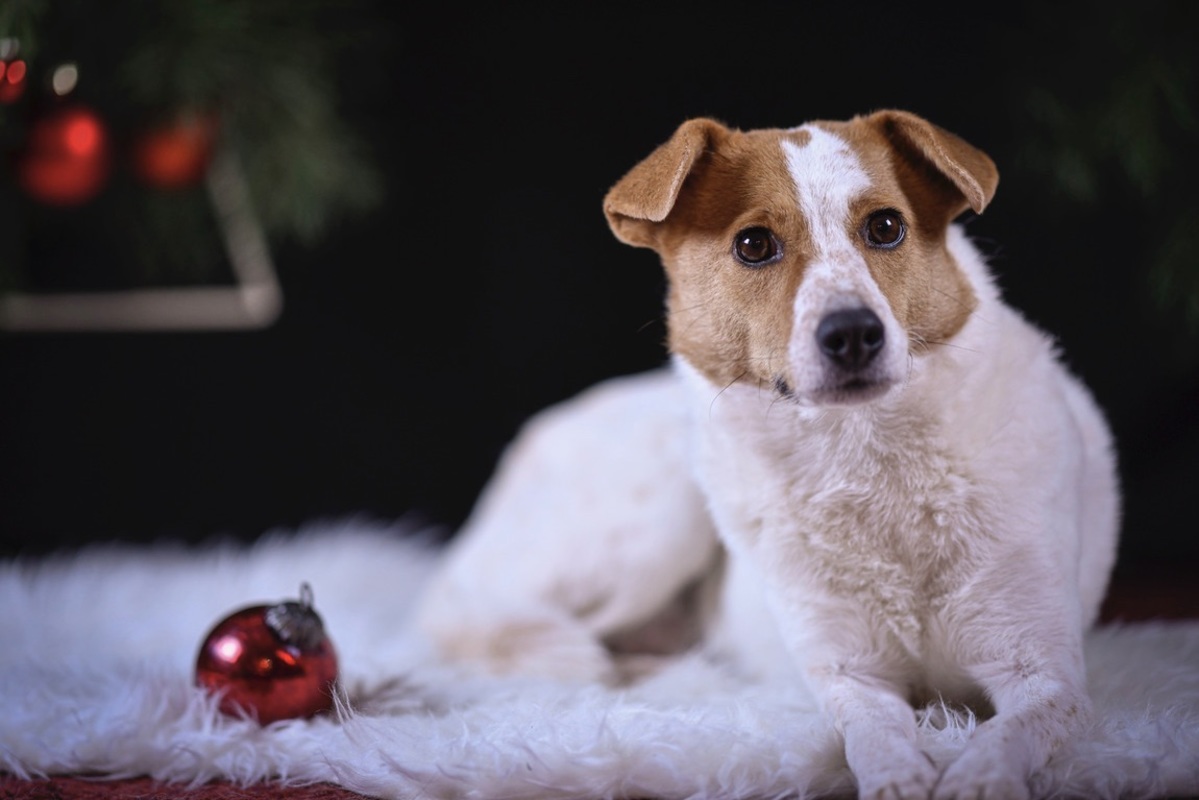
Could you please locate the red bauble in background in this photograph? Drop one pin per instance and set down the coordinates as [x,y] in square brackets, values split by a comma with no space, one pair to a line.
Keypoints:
[13,77]
[65,160]
[175,154]
[270,662]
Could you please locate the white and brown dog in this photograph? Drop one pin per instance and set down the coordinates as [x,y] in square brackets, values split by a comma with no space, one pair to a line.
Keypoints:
[880,473]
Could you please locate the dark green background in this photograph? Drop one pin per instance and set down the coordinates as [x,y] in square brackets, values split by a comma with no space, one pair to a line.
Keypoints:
[416,337]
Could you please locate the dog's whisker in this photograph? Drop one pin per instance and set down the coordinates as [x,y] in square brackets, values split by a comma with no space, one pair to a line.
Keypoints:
[693,312]
[954,345]
[916,342]
[973,307]
[922,344]
[658,320]
[956,298]
[689,309]
[723,389]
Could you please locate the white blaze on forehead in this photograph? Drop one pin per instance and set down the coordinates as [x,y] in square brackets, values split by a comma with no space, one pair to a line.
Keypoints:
[827,177]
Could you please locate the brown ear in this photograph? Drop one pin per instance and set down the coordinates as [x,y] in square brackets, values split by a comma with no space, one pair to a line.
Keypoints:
[647,193]
[967,168]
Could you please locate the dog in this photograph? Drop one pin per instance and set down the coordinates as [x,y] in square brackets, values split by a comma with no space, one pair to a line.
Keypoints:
[859,466]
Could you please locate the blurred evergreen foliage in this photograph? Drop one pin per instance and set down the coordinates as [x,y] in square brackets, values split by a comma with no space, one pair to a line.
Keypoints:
[1113,123]
[1104,98]
[265,67]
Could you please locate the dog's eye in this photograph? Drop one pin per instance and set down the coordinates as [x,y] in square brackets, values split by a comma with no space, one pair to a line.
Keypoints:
[756,247]
[885,229]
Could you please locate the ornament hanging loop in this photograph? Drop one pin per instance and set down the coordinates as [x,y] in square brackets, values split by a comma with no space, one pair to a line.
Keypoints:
[296,623]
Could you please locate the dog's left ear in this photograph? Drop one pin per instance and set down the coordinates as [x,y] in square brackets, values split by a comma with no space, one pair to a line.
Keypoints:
[647,192]
[968,169]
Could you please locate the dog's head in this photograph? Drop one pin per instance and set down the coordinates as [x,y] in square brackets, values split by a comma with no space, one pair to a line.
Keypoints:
[813,260]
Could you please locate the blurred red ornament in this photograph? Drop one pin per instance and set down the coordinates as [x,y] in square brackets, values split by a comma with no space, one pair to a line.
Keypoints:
[270,662]
[176,154]
[65,160]
[12,80]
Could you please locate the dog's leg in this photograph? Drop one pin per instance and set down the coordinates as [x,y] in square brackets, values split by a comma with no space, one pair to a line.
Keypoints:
[878,725]
[590,527]
[861,677]
[1023,649]
[1040,701]
[856,669]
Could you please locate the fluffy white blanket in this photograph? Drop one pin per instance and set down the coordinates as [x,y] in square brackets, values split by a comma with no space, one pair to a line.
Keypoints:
[97,650]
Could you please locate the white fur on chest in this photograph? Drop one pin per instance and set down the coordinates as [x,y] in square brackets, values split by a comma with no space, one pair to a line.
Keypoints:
[867,512]
[882,516]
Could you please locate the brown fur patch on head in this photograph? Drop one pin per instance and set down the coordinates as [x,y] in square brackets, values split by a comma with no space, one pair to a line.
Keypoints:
[938,176]
[732,322]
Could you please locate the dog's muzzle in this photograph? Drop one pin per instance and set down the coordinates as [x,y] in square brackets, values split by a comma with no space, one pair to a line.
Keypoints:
[847,367]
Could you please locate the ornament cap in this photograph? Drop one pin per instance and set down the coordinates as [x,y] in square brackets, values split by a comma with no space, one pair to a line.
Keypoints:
[297,623]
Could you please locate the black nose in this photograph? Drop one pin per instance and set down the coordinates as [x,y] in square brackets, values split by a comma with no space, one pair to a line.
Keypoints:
[851,338]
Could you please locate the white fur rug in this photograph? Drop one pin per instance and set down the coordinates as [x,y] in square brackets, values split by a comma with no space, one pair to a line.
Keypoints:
[97,650]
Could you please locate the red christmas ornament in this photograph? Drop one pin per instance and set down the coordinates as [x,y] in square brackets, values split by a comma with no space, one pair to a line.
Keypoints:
[270,662]
[175,155]
[66,157]
[12,80]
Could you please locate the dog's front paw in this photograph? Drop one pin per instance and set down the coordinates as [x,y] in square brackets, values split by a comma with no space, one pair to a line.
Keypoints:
[914,785]
[909,778]
[981,775]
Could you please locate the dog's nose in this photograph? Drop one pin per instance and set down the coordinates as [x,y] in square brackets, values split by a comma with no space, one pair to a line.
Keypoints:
[850,338]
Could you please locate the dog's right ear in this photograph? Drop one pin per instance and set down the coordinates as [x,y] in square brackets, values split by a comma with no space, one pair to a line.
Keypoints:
[647,192]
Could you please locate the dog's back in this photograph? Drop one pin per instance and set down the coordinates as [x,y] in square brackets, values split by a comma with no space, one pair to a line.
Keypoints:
[589,531]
